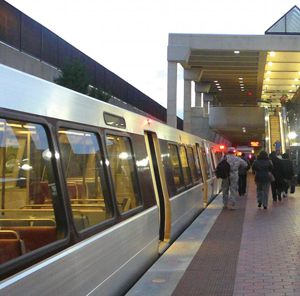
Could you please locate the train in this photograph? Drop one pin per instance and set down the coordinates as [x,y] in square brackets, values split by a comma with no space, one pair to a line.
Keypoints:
[91,194]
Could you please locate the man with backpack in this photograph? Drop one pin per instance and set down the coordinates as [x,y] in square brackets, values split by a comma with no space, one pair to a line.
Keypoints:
[230,183]
[243,175]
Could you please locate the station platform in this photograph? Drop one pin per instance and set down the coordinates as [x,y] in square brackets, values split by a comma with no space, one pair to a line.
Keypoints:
[249,251]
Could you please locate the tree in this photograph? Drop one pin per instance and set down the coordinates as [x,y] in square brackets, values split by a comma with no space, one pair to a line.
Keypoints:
[75,77]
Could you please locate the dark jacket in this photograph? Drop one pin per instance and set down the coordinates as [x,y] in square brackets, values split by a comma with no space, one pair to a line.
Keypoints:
[261,169]
[278,171]
[288,169]
[243,170]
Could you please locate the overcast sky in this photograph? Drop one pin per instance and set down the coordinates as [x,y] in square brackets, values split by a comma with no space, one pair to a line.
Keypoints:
[130,37]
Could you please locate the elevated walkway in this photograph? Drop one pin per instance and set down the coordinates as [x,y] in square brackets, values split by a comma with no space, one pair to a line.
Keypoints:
[249,251]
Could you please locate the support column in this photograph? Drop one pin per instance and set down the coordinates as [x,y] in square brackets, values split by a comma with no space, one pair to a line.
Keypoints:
[187,122]
[172,94]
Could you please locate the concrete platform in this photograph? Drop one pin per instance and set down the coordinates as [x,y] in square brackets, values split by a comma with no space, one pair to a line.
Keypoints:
[249,251]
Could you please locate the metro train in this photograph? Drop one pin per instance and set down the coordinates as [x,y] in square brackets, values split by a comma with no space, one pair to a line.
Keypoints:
[91,194]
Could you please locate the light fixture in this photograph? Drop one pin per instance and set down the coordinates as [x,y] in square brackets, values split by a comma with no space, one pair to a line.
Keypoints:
[293,85]
[240,78]
[267,79]
[269,72]
[272,54]
[270,64]
[296,79]
[292,135]
[236,51]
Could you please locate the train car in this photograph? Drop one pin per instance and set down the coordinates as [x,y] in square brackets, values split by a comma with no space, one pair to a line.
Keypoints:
[91,194]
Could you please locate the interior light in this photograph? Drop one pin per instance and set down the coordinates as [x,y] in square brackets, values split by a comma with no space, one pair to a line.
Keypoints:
[292,135]
[240,78]
[272,54]
[293,85]
[236,52]
[149,121]
[269,72]
[267,79]
[270,64]
[296,79]
[299,72]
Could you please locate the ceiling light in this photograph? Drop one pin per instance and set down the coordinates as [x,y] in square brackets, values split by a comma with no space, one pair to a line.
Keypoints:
[269,72]
[236,52]
[242,85]
[219,89]
[266,85]
[293,85]
[290,90]
[272,54]
[296,79]
[267,79]
[270,64]
[218,86]
[292,135]
[299,72]
[216,81]
[242,78]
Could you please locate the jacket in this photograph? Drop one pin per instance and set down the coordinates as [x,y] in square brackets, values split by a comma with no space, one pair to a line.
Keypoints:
[261,168]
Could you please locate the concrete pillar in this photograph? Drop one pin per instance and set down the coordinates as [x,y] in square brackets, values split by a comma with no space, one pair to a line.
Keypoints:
[187,121]
[208,99]
[172,94]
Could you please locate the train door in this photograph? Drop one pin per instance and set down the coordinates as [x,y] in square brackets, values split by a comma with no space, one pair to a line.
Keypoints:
[160,188]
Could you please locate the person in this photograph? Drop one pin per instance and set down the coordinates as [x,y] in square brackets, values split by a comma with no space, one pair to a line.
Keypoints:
[230,184]
[261,168]
[243,175]
[278,173]
[288,174]
[277,145]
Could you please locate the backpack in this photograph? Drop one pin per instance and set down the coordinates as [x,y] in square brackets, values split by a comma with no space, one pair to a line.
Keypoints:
[223,169]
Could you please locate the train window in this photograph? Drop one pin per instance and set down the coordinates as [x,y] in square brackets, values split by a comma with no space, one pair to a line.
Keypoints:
[178,178]
[124,175]
[27,218]
[192,164]
[82,163]
[198,166]
[185,166]
[205,163]
[212,159]
[114,120]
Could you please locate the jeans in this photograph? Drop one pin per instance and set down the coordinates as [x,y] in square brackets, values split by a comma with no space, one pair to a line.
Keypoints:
[262,191]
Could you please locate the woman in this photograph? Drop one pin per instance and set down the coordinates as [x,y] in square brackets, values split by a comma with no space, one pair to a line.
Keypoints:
[262,167]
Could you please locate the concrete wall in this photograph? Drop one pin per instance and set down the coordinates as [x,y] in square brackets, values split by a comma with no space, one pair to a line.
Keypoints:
[25,63]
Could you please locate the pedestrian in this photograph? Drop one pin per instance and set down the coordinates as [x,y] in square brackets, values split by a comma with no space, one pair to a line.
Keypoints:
[288,175]
[243,175]
[277,145]
[230,185]
[262,167]
[278,173]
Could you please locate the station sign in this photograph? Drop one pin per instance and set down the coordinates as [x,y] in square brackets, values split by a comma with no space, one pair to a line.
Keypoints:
[254,144]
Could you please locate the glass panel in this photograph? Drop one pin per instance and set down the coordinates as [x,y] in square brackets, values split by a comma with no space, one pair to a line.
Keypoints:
[123,172]
[185,166]
[293,21]
[192,164]
[198,167]
[278,27]
[178,178]
[27,219]
[114,120]
[82,163]
[206,167]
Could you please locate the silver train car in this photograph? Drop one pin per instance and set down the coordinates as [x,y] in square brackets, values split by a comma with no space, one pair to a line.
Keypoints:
[91,194]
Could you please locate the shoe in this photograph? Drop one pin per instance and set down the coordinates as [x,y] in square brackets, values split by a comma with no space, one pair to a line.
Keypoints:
[259,204]
[231,207]
[284,194]
[265,208]
[279,198]
[224,206]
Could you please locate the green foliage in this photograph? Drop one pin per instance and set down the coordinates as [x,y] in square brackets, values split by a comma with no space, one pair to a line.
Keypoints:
[75,77]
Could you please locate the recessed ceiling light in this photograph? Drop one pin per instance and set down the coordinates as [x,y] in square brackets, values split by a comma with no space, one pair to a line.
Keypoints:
[269,72]
[242,78]
[236,51]
[216,81]
[220,89]
[267,79]
[296,79]
[293,85]
[272,53]
[270,64]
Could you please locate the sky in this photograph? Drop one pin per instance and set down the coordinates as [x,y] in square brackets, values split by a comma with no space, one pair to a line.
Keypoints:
[130,37]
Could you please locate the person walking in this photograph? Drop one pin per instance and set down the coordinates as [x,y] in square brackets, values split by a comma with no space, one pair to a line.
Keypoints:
[230,184]
[278,173]
[243,175]
[288,174]
[262,167]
